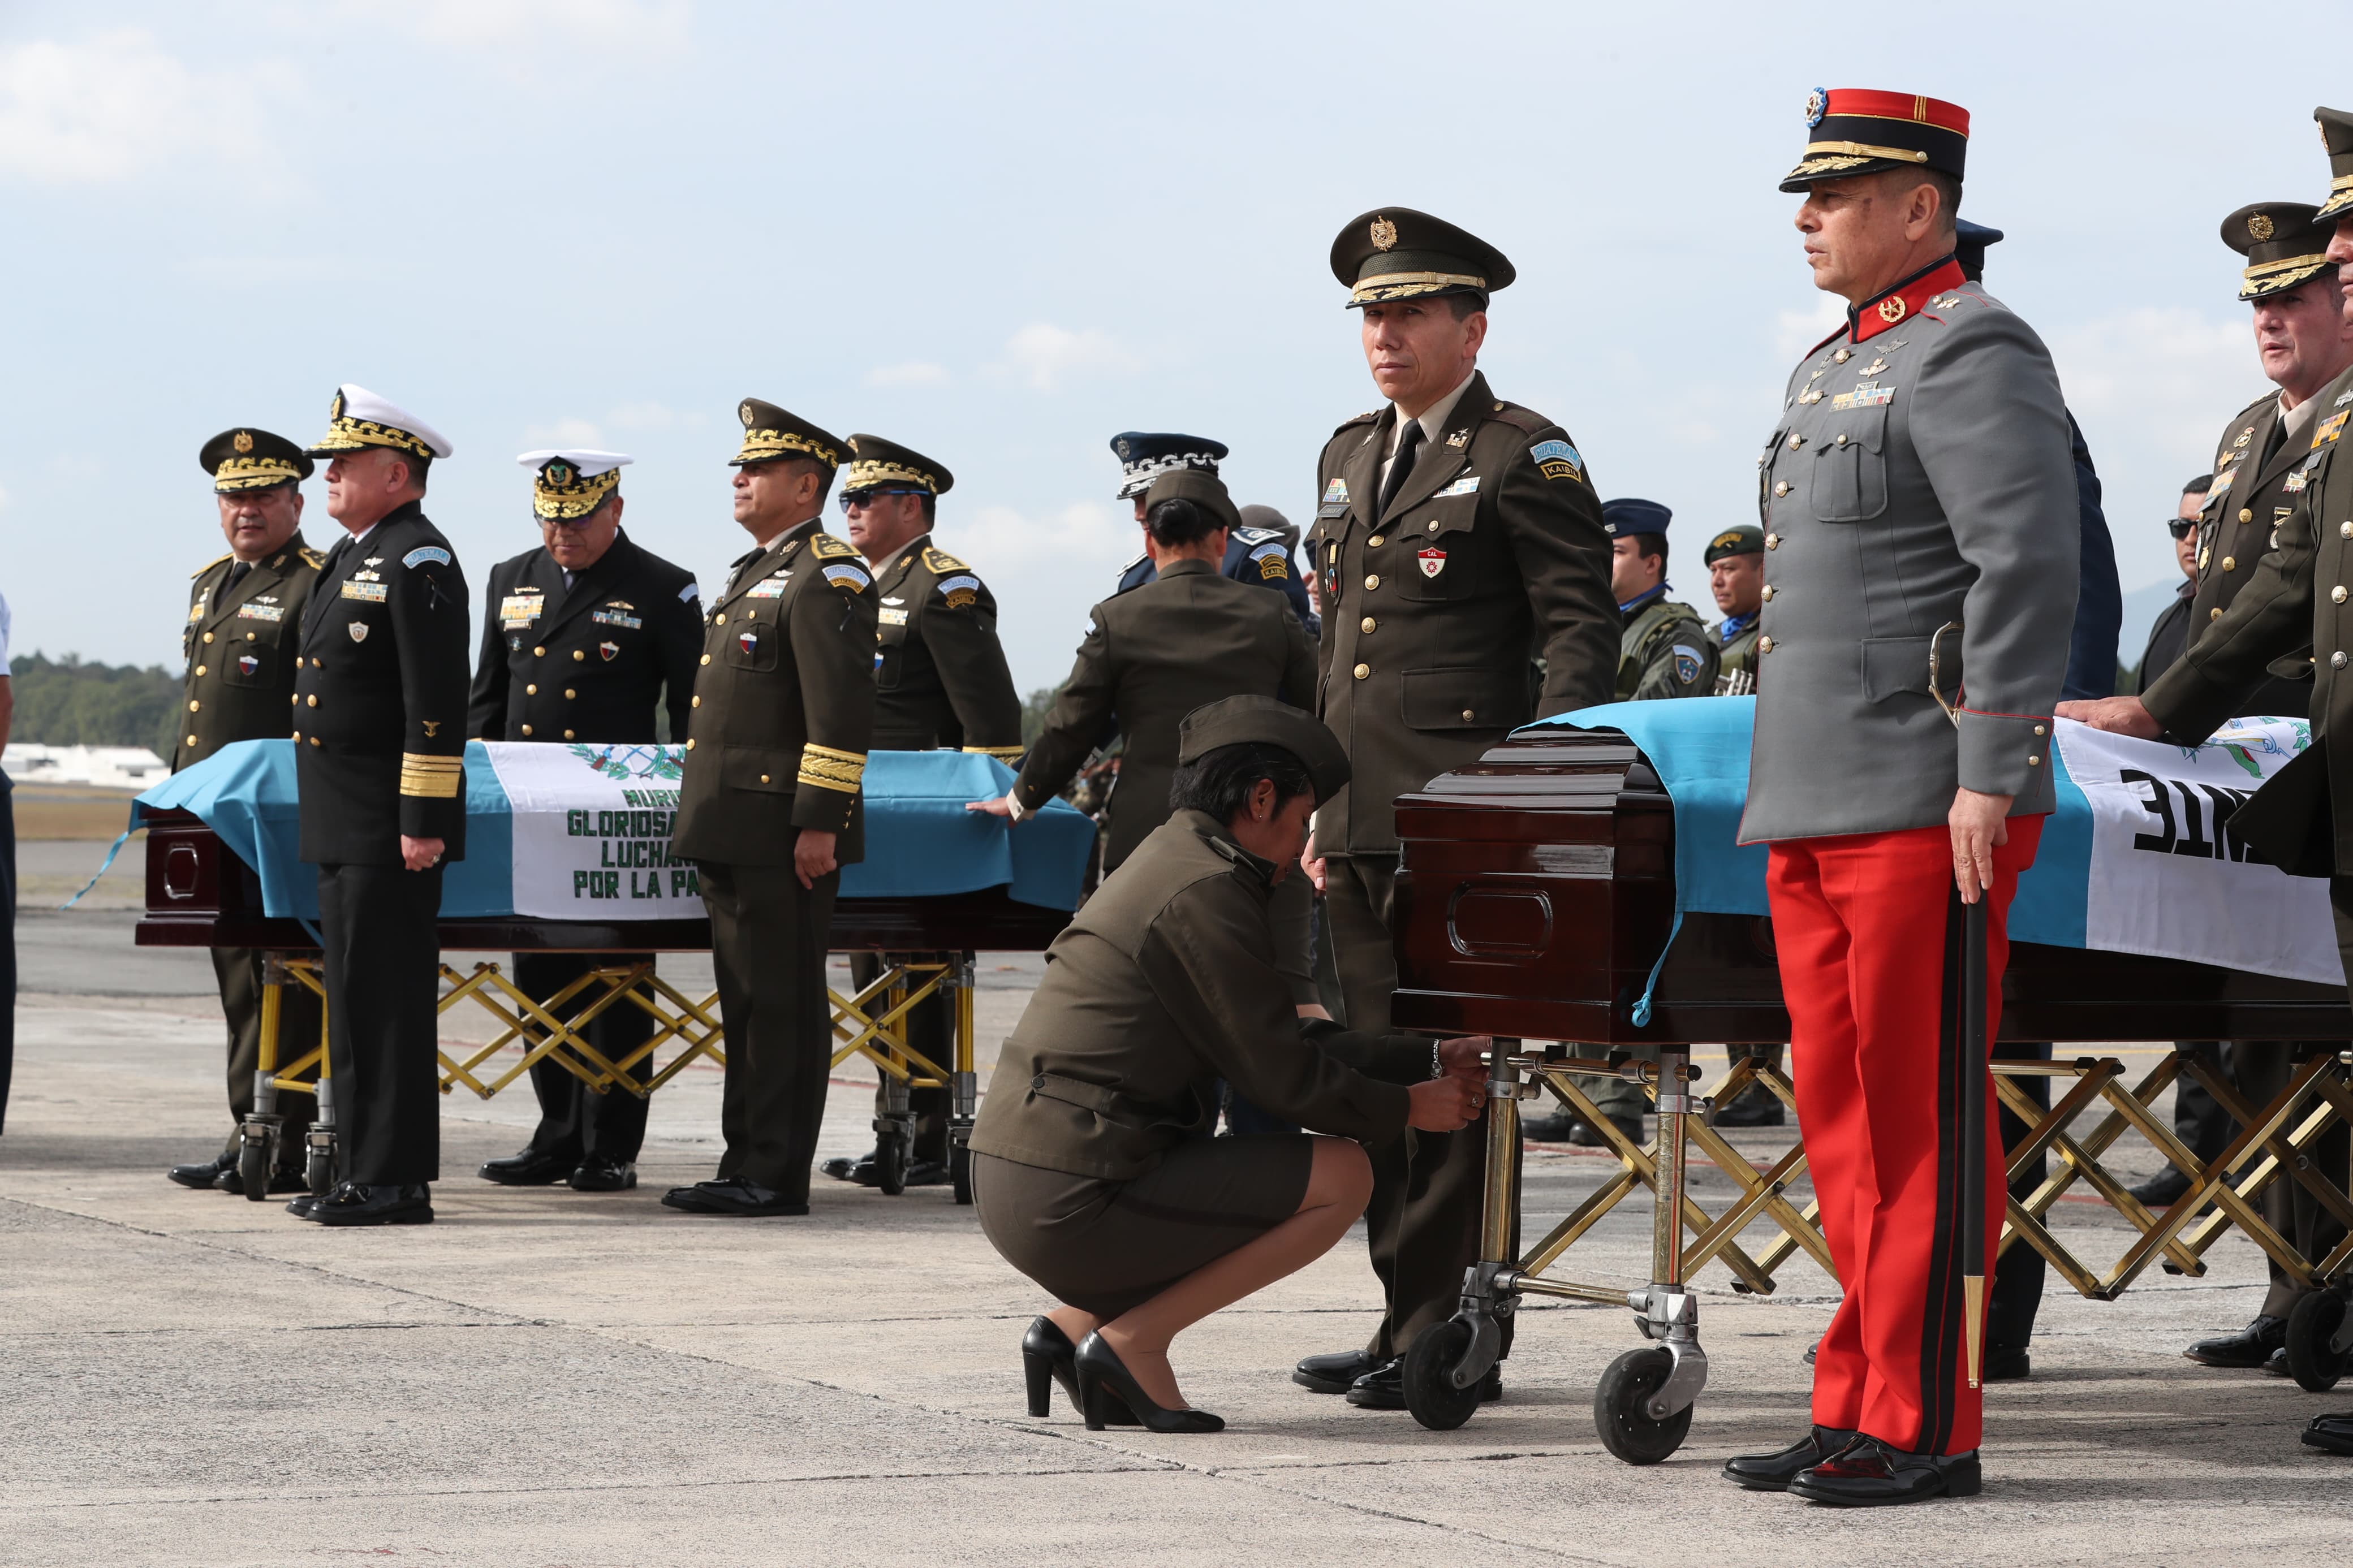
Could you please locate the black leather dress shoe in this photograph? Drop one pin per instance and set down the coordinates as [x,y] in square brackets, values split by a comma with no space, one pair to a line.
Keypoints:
[2275,1364]
[2332,1434]
[735,1196]
[305,1207]
[2249,1347]
[359,1203]
[1584,1135]
[1870,1474]
[285,1179]
[2006,1366]
[1773,1472]
[842,1168]
[1332,1372]
[603,1174]
[532,1168]
[203,1173]
[2163,1190]
[1382,1388]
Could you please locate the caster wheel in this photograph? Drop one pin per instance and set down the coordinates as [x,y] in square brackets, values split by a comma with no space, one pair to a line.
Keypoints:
[2312,1361]
[1627,1429]
[1429,1391]
[891,1162]
[960,1172]
[319,1170]
[253,1168]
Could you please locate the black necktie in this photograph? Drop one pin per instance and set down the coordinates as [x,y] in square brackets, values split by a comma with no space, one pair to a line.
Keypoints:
[236,574]
[1402,465]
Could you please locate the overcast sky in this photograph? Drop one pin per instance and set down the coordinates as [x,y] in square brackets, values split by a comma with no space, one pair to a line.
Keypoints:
[1000,234]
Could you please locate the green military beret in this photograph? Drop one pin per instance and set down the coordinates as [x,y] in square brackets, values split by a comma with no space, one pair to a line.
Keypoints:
[1269,722]
[1203,489]
[1740,539]
[2283,245]
[1397,253]
[247,458]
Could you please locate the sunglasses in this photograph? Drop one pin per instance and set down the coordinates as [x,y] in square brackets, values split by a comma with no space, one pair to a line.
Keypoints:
[2178,527]
[860,498]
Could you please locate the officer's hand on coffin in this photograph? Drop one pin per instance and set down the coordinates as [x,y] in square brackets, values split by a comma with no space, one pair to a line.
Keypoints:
[1443,1104]
[2117,715]
[1466,1057]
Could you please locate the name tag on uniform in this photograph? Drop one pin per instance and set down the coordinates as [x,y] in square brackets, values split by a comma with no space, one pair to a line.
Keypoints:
[768,587]
[371,591]
[614,618]
[521,609]
[261,612]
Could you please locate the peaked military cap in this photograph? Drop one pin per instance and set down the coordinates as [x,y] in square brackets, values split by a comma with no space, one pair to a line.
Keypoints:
[2283,245]
[771,432]
[1146,455]
[1633,516]
[574,482]
[1740,539]
[1273,521]
[1205,490]
[250,460]
[358,419]
[1854,130]
[1969,243]
[1269,722]
[2336,135]
[875,463]
[1396,253]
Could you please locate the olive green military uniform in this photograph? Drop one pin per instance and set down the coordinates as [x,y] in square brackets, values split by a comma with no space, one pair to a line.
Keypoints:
[1094,1172]
[244,620]
[2266,461]
[1454,550]
[1665,651]
[1736,656]
[940,679]
[783,715]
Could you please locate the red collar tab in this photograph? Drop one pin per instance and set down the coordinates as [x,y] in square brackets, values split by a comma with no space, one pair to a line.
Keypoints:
[1904,302]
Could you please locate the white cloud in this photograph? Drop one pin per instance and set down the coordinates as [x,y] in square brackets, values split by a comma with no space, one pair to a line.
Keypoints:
[915,372]
[115,105]
[1080,534]
[1795,332]
[1046,357]
[571,433]
[570,24]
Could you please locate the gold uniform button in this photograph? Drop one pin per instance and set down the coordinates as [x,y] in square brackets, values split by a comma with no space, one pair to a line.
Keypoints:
[579,653]
[2215,614]
[1841,440]
[298,735]
[314,700]
[1377,540]
[2229,564]
[1469,714]
[531,690]
[192,740]
[1764,644]
[2336,661]
[696,703]
[539,653]
[1362,671]
[1769,593]
[2344,530]
[570,695]
[1368,623]
[1374,581]
[1772,541]
[690,742]
[763,778]
[314,664]
[1796,442]
[567,734]
[315,740]
[297,700]
[192,705]
[200,669]
[1782,488]
[1432,525]
[706,659]
[2032,761]
[2202,559]
[2041,730]
[249,636]
[719,619]
[2336,595]
[526,729]
[208,637]
[2246,514]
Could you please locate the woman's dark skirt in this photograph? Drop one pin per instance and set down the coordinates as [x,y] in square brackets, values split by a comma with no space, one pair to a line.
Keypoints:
[1104,1246]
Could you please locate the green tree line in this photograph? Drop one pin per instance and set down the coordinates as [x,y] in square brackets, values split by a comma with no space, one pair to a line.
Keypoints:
[65,702]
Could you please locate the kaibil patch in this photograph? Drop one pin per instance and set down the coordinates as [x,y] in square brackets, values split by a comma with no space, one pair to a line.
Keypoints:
[958,591]
[1274,562]
[1557,460]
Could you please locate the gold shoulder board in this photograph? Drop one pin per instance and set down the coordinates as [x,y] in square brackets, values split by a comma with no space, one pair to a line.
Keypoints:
[825,547]
[939,563]
[208,566]
[314,560]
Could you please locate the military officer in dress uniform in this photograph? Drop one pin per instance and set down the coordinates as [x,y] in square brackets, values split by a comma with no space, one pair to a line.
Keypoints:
[584,639]
[244,610]
[1919,505]
[940,679]
[380,743]
[1663,650]
[1458,538]
[2289,606]
[1258,549]
[1734,560]
[770,805]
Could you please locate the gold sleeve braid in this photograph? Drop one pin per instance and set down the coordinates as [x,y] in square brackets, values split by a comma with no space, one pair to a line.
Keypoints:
[1009,755]
[432,778]
[828,768]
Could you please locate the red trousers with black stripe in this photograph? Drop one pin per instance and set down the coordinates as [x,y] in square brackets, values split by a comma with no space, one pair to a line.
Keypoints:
[1868,928]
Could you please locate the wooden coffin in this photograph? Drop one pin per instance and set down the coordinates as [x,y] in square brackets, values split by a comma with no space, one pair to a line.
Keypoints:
[1537,890]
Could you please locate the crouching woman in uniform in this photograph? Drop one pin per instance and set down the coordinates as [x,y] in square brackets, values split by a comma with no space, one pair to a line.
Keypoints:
[1094,1169]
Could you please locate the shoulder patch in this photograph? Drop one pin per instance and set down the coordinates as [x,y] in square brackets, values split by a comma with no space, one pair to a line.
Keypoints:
[691,592]
[1557,460]
[1248,535]
[825,547]
[313,558]
[1687,663]
[960,590]
[845,575]
[1274,562]
[939,562]
[424,554]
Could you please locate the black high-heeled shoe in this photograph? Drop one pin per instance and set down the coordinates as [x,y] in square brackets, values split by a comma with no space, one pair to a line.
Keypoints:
[1105,1383]
[1047,1358]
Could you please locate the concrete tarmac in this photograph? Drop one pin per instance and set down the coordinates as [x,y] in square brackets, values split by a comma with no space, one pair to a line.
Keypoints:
[545,1378]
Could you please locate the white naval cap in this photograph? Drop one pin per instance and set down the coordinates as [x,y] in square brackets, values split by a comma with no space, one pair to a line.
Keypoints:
[359,418]
[572,482]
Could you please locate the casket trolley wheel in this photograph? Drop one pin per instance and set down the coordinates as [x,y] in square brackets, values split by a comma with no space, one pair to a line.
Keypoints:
[1429,1375]
[891,1156]
[960,1170]
[2319,1341]
[256,1143]
[1627,1428]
